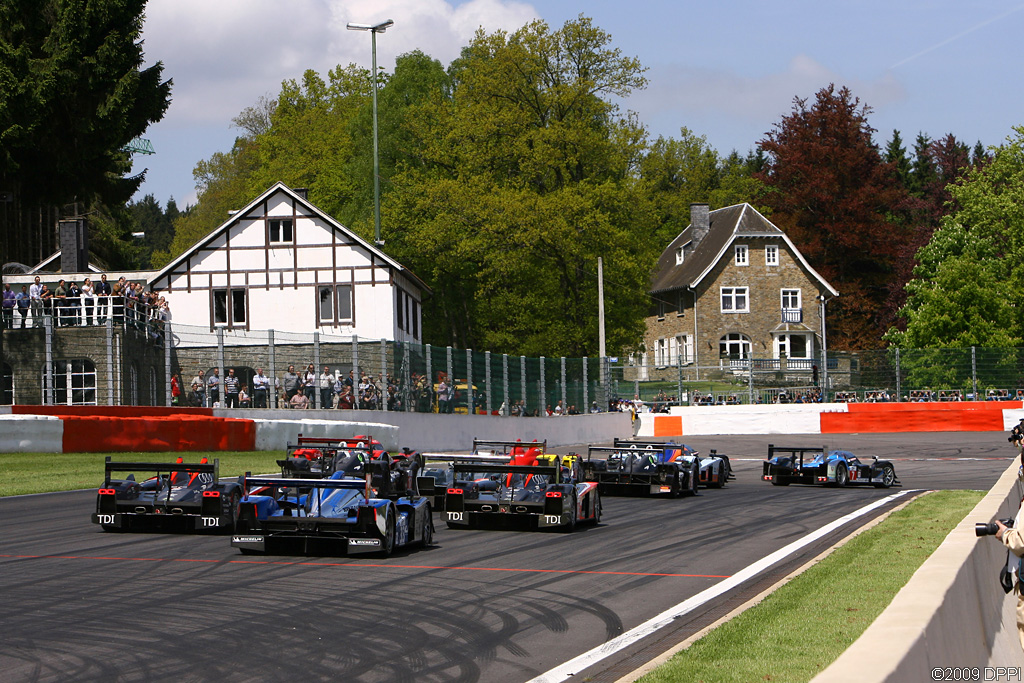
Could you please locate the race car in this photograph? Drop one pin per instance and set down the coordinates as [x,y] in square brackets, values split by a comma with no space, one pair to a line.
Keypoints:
[438,473]
[180,497]
[534,490]
[788,465]
[314,457]
[714,469]
[340,514]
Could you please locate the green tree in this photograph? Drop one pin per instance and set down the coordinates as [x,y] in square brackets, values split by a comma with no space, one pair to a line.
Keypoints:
[527,173]
[896,154]
[73,93]
[966,288]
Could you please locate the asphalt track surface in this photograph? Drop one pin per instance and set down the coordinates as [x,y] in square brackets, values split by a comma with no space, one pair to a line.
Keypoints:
[501,606]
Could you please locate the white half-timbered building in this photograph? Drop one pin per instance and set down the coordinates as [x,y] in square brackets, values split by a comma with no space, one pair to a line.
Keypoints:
[281,263]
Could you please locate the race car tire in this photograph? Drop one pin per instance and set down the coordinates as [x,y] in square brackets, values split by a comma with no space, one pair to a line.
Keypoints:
[428,530]
[597,507]
[388,546]
[571,524]
[719,481]
[842,476]
[888,477]
[249,551]
[694,480]
[779,481]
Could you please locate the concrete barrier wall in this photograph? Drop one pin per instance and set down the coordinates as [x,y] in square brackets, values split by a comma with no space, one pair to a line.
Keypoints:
[952,612]
[31,434]
[275,435]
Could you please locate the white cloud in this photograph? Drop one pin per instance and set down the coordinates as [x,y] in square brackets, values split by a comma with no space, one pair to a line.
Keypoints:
[224,54]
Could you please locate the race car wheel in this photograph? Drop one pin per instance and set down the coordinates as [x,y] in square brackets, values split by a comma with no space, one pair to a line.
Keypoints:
[389,537]
[597,508]
[428,530]
[571,524]
[720,476]
[779,481]
[694,480]
[842,476]
[888,477]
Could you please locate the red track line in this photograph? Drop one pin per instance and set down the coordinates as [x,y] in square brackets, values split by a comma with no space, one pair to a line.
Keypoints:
[375,566]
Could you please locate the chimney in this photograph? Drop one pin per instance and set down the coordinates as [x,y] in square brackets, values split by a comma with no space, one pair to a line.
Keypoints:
[74,245]
[700,223]
[302,192]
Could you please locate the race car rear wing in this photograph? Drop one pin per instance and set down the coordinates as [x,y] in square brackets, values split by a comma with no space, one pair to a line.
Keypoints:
[158,467]
[252,482]
[626,443]
[507,446]
[464,457]
[551,471]
[796,451]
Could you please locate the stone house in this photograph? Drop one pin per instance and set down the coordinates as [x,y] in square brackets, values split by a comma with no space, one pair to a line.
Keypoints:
[732,286]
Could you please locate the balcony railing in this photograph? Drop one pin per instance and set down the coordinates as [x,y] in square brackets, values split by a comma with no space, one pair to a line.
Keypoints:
[792,315]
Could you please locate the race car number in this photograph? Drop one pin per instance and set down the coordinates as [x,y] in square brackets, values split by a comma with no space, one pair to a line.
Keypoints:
[455,516]
[211,521]
[105,519]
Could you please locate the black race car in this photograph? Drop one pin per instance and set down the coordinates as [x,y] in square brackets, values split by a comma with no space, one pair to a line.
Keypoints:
[181,497]
[788,465]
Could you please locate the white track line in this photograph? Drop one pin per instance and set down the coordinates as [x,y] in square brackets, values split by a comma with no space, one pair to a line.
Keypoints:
[587,659]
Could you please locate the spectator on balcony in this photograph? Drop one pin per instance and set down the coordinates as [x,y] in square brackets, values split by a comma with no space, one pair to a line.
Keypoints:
[231,389]
[175,390]
[260,388]
[243,398]
[74,303]
[60,296]
[345,401]
[199,388]
[8,306]
[309,383]
[103,292]
[325,382]
[88,302]
[299,400]
[35,294]
[23,301]
[291,383]
[213,388]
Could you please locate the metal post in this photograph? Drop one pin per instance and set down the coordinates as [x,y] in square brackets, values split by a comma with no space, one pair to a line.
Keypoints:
[565,403]
[974,371]
[355,370]
[824,353]
[273,388]
[898,389]
[522,378]
[469,382]
[220,363]
[376,157]
[48,342]
[316,369]
[384,374]
[487,382]
[448,377]
[430,380]
[111,378]
[586,397]
[750,379]
[504,385]
[167,365]
[543,390]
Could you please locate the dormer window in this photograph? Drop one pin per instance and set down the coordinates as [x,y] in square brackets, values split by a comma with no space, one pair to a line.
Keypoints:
[680,254]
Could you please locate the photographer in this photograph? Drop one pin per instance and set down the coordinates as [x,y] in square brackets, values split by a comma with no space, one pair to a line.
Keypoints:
[1012,537]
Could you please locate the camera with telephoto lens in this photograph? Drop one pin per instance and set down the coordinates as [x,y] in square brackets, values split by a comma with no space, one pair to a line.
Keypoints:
[1017,433]
[990,529]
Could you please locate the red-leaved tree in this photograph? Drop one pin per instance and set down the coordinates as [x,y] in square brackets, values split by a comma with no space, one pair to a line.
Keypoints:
[832,193]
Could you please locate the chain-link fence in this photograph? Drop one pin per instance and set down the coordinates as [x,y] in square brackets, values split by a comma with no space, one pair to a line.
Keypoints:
[115,358]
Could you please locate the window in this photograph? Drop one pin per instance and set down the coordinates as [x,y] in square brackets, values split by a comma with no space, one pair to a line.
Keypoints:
[680,254]
[661,305]
[230,307]
[735,300]
[742,255]
[335,304]
[790,299]
[400,308]
[74,382]
[771,255]
[792,346]
[734,346]
[280,230]
[684,345]
[661,355]
[415,315]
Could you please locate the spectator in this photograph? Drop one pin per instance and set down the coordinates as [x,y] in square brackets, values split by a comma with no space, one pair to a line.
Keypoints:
[213,388]
[299,400]
[8,306]
[260,388]
[61,301]
[88,302]
[326,385]
[74,303]
[345,399]
[243,398]
[309,383]
[199,388]
[24,301]
[175,390]
[231,389]
[103,292]
[338,388]
[35,294]
[291,383]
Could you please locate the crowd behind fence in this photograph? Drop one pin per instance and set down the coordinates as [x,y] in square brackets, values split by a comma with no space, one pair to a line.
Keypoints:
[125,352]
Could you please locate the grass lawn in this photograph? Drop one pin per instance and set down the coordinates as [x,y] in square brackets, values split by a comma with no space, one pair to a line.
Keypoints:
[806,624]
[41,472]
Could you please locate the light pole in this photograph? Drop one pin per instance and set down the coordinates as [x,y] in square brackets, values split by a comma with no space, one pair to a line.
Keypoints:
[374,29]
[824,350]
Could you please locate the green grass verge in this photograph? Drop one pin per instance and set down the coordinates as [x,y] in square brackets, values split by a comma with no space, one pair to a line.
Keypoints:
[41,472]
[806,624]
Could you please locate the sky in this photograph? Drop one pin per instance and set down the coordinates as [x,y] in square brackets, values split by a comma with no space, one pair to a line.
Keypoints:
[726,70]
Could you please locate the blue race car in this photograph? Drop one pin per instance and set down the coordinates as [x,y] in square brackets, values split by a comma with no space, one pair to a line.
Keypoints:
[788,465]
[340,514]
[714,470]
